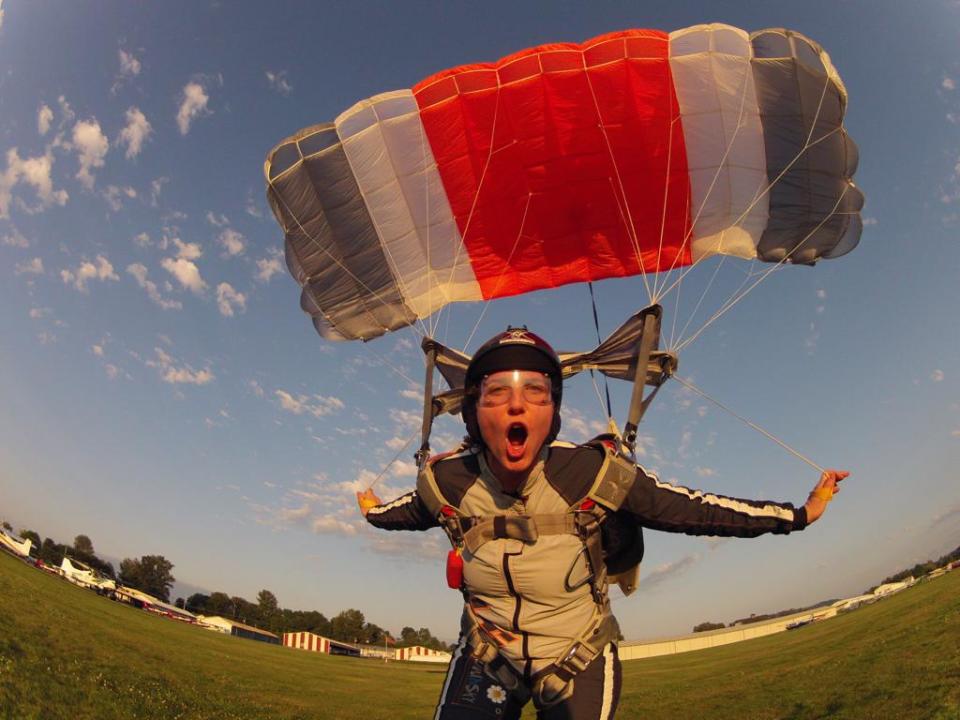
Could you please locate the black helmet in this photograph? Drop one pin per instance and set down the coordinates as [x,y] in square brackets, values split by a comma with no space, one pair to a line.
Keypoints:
[513,349]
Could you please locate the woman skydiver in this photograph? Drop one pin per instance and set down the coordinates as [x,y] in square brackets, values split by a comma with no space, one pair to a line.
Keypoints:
[526,517]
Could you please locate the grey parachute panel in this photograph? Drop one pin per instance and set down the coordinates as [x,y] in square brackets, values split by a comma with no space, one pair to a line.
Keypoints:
[332,249]
[814,204]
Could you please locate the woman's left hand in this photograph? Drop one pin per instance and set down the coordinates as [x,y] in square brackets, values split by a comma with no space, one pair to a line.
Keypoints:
[823,492]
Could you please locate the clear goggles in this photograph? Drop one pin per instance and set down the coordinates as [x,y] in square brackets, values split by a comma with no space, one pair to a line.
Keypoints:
[498,389]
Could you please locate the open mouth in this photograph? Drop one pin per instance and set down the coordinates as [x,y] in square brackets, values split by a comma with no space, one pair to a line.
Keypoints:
[516,439]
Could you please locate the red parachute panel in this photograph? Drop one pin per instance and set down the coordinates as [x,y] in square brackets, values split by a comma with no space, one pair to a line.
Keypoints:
[573,143]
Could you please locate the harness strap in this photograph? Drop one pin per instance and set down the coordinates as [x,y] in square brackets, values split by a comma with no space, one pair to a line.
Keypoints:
[613,481]
[554,683]
[480,530]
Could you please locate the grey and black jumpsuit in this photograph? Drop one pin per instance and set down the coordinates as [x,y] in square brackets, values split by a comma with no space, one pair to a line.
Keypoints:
[533,597]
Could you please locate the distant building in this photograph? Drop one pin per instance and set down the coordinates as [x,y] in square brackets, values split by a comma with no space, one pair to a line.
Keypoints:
[418,653]
[237,629]
[317,643]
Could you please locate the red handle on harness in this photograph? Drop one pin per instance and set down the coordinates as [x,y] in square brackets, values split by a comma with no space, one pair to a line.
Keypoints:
[455,569]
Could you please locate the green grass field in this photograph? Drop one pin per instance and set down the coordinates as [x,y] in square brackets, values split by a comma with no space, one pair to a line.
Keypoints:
[67,653]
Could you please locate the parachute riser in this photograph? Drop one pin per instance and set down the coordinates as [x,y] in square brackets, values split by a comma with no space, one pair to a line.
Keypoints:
[429,410]
[653,367]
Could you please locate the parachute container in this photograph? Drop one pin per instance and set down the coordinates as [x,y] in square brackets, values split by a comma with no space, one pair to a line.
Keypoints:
[635,152]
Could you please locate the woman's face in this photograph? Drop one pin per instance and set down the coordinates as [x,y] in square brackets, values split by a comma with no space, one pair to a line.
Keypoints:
[515,413]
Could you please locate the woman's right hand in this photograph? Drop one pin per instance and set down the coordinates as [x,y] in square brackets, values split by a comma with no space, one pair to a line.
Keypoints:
[366,500]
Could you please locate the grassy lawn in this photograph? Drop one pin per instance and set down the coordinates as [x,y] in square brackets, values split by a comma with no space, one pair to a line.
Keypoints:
[67,653]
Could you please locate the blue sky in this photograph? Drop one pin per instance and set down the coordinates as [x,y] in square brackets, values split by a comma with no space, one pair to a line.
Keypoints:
[161,391]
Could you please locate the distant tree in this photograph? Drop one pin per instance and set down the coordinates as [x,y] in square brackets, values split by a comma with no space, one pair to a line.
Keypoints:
[130,573]
[156,576]
[219,604]
[374,634]
[705,626]
[348,626]
[409,636]
[245,611]
[51,553]
[7,526]
[197,603]
[151,573]
[267,603]
[82,544]
[180,603]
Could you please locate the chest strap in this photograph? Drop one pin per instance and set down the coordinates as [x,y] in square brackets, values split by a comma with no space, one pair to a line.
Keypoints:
[478,531]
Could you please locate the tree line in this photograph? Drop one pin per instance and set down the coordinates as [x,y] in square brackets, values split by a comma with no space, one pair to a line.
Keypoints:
[348,626]
[153,575]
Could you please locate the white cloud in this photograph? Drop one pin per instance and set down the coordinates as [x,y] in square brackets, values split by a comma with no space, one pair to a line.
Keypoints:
[232,241]
[44,118]
[142,240]
[411,394]
[666,571]
[704,472]
[256,388]
[946,514]
[29,267]
[316,405]
[186,273]
[269,266]
[156,187]
[948,83]
[278,81]
[405,418]
[193,105]
[229,300]
[220,220]
[136,132]
[330,524]
[97,350]
[102,270]
[129,64]
[184,374]
[139,271]
[1,13]
[396,443]
[574,425]
[34,171]
[187,251]
[91,146]
[14,238]
[402,468]
[867,221]
[114,196]
[66,111]
[251,207]
[937,375]
[40,313]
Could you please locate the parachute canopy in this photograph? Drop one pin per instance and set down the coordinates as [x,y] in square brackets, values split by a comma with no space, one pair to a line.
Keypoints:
[635,152]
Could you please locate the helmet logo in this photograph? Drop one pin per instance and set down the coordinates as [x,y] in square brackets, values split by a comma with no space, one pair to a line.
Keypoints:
[517,335]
